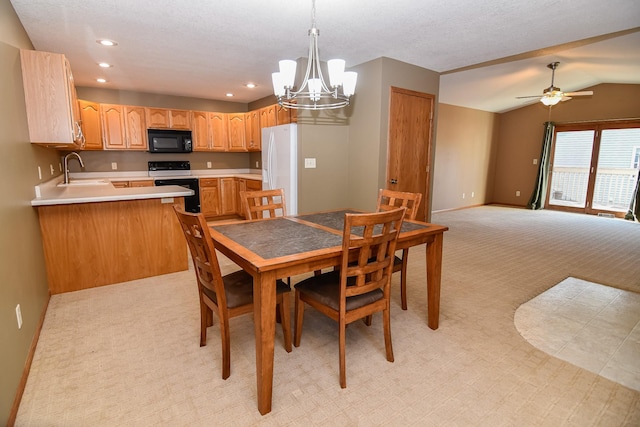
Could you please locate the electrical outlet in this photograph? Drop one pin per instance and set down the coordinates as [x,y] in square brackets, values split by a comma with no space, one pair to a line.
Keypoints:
[473,194]
[39,173]
[60,166]
[19,316]
[51,169]
[535,161]
[463,195]
[209,165]
[257,165]
[518,193]
[309,163]
[114,166]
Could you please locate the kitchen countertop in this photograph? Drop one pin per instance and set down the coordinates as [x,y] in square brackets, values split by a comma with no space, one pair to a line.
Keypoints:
[49,193]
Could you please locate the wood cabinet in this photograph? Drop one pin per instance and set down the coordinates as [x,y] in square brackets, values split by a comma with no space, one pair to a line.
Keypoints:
[210,197]
[123,127]
[228,196]
[285,115]
[209,131]
[163,118]
[245,185]
[268,116]
[91,125]
[236,132]
[252,130]
[53,112]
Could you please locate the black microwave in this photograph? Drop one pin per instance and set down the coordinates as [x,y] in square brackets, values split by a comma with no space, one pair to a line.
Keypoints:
[169,141]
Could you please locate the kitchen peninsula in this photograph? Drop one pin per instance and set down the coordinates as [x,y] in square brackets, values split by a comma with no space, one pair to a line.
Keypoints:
[94,234]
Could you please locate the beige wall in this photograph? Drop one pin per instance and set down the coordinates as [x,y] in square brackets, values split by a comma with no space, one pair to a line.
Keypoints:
[520,135]
[464,157]
[368,130]
[22,273]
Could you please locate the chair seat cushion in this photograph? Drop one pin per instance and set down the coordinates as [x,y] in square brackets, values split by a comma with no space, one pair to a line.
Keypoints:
[325,288]
[238,288]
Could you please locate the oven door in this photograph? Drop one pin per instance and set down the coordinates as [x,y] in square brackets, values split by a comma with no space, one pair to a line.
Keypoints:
[191,203]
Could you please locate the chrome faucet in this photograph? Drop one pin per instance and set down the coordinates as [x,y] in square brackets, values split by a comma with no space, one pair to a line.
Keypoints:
[66,165]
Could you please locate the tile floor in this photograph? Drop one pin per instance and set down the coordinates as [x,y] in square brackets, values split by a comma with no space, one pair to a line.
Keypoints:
[592,326]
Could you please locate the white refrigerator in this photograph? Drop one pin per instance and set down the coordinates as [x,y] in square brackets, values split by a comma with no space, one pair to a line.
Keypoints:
[280,162]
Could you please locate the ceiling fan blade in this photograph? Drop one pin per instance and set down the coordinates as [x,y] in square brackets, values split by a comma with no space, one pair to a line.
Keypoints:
[531,96]
[565,98]
[584,92]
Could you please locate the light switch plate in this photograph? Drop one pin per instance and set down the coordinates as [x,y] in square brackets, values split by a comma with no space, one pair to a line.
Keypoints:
[309,163]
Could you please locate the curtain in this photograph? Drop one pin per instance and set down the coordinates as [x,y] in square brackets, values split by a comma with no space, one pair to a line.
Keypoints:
[539,195]
[634,207]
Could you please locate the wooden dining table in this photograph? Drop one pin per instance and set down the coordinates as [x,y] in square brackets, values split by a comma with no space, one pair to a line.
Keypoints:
[275,248]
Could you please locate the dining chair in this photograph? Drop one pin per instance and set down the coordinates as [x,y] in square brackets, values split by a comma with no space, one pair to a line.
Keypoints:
[230,295]
[360,287]
[260,204]
[389,199]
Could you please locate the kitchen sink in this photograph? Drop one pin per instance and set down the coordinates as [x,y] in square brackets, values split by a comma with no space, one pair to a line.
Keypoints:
[85,182]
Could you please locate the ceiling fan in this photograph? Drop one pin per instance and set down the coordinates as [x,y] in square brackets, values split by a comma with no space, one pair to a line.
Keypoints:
[552,95]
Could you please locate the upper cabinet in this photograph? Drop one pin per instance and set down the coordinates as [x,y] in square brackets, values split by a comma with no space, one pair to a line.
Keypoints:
[53,113]
[210,131]
[90,122]
[123,127]
[162,118]
[236,132]
[252,130]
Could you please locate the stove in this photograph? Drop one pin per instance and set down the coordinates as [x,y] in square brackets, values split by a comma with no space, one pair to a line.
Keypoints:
[182,169]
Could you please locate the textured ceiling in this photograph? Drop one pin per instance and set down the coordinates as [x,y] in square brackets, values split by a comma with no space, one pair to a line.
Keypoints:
[205,48]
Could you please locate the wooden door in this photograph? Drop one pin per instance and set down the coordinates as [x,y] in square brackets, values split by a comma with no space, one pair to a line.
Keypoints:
[218,129]
[252,130]
[200,131]
[136,128]
[180,119]
[113,126]
[90,116]
[409,144]
[236,132]
[158,118]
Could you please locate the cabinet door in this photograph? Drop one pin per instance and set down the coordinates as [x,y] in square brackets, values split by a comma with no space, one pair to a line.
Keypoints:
[236,132]
[252,130]
[51,103]
[136,128]
[200,134]
[254,185]
[113,130]
[90,117]
[218,129]
[283,115]
[268,116]
[241,185]
[210,196]
[228,195]
[157,118]
[180,119]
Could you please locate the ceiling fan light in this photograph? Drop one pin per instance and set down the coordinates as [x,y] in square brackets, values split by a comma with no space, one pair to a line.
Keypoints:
[550,100]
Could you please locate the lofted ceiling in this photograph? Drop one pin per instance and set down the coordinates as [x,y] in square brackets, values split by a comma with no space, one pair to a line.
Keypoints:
[488,52]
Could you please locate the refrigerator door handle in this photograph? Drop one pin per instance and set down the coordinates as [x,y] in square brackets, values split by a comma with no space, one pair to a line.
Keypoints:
[270,160]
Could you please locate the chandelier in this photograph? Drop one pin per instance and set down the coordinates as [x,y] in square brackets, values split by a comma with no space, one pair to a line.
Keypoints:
[314,93]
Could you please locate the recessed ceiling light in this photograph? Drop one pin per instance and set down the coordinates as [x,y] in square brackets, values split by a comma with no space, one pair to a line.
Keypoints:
[104,65]
[250,85]
[101,80]
[106,42]
[229,94]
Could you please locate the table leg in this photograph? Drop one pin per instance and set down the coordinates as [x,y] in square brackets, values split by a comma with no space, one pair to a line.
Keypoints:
[434,275]
[264,308]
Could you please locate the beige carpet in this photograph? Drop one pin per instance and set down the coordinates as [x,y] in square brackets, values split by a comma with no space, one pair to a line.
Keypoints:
[128,354]
[592,326]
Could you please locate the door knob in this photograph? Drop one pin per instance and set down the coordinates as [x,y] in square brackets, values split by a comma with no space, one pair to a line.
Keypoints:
[393,181]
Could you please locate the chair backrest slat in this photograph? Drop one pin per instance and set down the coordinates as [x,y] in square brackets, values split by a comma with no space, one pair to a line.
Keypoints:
[205,262]
[389,199]
[263,203]
[371,239]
